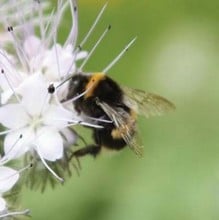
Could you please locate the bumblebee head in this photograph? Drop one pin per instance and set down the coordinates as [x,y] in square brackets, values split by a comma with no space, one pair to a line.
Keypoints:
[77,85]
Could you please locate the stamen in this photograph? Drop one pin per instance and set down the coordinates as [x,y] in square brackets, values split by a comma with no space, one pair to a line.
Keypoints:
[79,47]
[19,50]
[92,27]
[4,56]
[73,35]
[100,120]
[5,159]
[20,15]
[10,29]
[48,167]
[95,46]
[45,41]
[24,212]
[106,69]
[25,168]
[55,20]
[64,81]
[57,56]
[18,172]
[51,88]
[78,96]
[73,122]
[41,23]
[10,85]
[6,132]
[49,21]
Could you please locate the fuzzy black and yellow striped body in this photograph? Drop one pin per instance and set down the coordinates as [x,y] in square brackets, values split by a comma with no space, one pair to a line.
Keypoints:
[99,88]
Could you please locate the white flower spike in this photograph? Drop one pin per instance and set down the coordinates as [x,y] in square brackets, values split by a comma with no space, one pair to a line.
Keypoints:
[36,122]
[34,71]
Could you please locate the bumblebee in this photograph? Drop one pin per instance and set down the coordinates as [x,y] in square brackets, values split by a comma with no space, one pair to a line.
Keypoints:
[115,107]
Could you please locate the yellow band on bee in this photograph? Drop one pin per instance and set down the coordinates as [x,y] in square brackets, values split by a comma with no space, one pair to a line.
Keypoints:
[93,82]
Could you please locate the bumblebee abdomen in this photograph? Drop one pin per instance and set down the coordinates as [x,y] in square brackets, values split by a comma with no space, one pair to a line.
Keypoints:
[104,138]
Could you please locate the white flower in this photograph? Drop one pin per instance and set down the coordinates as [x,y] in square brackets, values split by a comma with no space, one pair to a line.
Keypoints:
[38,54]
[36,122]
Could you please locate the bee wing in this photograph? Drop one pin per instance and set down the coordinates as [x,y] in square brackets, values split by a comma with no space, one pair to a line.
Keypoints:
[133,143]
[119,117]
[146,104]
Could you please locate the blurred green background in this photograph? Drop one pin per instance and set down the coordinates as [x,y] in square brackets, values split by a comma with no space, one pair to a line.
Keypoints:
[177,56]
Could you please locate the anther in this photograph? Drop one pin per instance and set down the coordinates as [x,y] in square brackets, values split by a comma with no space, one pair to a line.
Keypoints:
[10,28]
[51,89]
[2,71]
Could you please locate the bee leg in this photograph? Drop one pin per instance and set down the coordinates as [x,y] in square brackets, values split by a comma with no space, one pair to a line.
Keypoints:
[90,149]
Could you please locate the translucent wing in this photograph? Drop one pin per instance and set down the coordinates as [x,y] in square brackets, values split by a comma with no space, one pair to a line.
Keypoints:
[125,124]
[135,144]
[146,104]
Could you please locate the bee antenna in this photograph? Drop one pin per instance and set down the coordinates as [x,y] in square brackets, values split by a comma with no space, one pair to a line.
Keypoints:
[119,56]
[72,37]
[94,47]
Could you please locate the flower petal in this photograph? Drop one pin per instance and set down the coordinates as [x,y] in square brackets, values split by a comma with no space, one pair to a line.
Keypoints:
[34,93]
[8,177]
[5,96]
[32,46]
[70,137]
[35,51]
[13,116]
[18,143]
[59,61]
[49,144]
[2,204]
[57,116]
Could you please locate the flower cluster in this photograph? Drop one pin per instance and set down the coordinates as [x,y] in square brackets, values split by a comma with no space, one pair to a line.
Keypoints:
[35,122]
[35,117]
